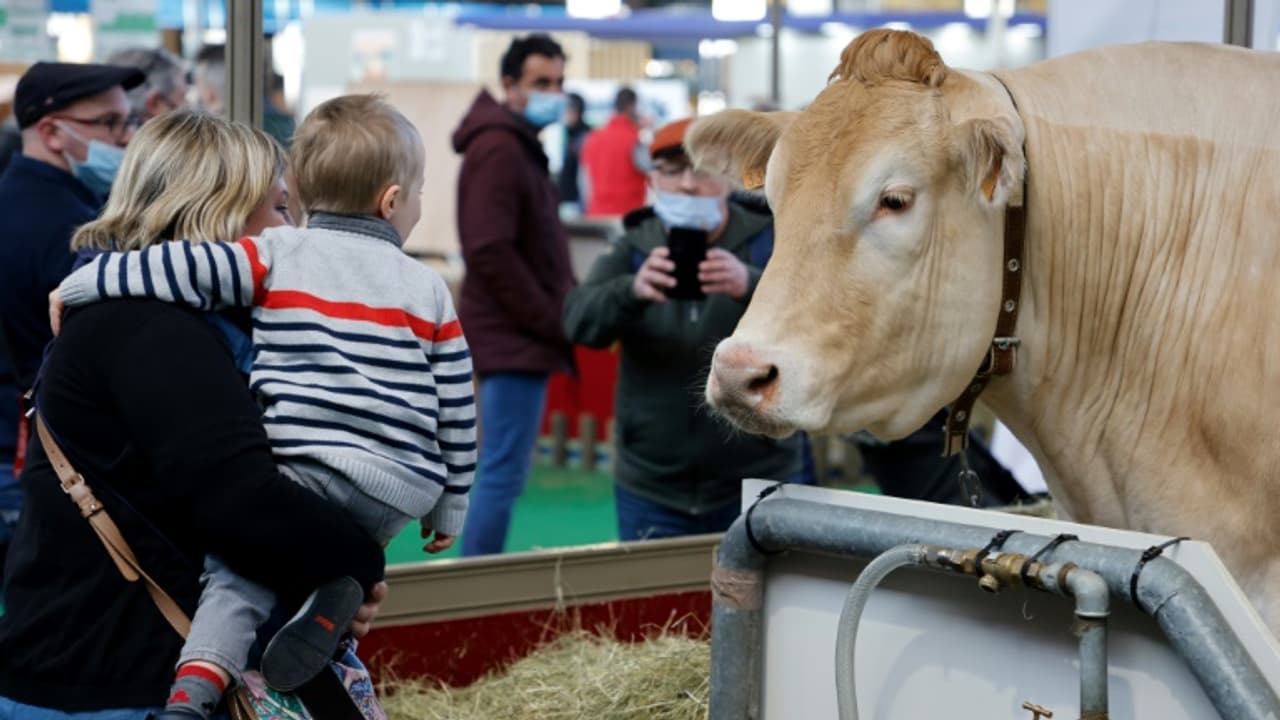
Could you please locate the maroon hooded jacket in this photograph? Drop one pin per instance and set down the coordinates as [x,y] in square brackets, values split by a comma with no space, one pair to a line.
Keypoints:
[516,251]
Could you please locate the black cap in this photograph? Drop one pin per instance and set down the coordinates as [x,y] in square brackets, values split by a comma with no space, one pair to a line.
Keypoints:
[48,87]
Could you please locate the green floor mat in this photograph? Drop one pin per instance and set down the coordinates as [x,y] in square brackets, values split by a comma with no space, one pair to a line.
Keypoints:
[559,507]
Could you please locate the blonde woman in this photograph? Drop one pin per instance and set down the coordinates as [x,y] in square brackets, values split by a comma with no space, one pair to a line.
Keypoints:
[145,400]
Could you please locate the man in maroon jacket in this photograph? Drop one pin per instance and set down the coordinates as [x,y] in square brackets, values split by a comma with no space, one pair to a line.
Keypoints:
[518,274]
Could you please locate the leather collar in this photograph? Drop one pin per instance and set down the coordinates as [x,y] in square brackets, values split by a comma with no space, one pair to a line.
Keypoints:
[1003,353]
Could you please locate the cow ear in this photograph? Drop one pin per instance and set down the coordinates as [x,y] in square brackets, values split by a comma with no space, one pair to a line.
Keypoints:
[736,144]
[990,151]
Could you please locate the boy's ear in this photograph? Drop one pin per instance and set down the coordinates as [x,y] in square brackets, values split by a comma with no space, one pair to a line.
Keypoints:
[389,202]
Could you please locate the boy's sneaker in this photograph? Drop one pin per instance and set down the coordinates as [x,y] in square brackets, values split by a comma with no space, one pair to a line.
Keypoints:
[306,644]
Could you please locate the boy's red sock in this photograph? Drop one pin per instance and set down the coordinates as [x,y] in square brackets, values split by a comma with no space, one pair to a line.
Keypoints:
[196,690]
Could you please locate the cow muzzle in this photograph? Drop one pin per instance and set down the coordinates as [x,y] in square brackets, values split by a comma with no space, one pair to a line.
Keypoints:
[743,385]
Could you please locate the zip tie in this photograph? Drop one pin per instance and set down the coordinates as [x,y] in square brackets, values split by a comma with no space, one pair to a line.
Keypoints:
[751,537]
[996,543]
[1049,547]
[1148,555]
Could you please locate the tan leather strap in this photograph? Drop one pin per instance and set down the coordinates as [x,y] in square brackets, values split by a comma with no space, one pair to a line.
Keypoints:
[74,486]
[1002,356]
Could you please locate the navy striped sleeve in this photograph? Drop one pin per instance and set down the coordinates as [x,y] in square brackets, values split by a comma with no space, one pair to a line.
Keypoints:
[166,259]
[191,273]
[215,282]
[236,292]
[144,265]
[123,259]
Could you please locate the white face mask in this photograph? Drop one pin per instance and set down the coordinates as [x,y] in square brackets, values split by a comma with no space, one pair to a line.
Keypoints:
[689,211]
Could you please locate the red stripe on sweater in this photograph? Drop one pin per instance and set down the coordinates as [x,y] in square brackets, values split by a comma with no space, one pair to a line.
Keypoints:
[203,673]
[451,330]
[390,317]
[255,265]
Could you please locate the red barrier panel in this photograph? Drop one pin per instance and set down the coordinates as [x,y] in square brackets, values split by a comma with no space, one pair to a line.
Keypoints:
[590,392]
[459,652]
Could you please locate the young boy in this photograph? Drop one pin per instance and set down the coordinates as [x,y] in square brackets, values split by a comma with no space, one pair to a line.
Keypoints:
[359,363]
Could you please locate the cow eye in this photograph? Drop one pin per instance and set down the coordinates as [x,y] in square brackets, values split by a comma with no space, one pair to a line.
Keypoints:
[895,201]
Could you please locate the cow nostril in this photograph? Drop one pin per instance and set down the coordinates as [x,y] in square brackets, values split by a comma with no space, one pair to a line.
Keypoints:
[765,380]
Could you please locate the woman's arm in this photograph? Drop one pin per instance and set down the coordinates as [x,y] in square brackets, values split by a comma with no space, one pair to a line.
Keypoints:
[199,431]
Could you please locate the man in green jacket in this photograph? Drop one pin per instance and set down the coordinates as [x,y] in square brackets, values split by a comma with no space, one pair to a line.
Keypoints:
[678,468]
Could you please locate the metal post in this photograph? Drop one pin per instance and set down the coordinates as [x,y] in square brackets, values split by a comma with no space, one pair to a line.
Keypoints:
[777,8]
[245,89]
[1238,24]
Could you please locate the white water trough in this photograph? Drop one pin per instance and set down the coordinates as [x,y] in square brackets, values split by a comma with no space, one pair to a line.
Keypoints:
[932,645]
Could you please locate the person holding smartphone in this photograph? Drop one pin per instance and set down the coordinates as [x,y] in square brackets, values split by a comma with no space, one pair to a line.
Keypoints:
[672,287]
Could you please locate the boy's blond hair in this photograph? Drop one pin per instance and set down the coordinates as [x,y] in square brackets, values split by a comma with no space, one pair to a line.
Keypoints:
[349,150]
[185,176]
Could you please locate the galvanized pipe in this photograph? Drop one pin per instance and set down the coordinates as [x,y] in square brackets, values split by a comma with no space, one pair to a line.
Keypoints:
[1093,606]
[1193,625]
[1089,590]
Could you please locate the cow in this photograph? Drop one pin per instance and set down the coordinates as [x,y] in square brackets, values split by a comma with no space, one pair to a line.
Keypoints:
[1147,373]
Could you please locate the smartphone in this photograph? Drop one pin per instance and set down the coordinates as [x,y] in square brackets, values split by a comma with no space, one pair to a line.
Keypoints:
[688,248]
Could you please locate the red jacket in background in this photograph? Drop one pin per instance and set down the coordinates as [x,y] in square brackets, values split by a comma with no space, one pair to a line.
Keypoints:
[616,186]
[515,249]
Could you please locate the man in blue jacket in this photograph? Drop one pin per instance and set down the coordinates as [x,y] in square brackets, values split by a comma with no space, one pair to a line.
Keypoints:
[75,122]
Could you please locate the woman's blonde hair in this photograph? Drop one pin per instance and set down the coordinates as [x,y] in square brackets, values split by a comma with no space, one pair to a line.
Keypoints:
[186,175]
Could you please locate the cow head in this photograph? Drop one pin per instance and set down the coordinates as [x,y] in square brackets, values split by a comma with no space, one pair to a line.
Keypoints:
[881,297]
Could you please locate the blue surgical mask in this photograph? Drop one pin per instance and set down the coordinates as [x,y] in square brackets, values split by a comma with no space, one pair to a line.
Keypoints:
[545,108]
[689,211]
[101,163]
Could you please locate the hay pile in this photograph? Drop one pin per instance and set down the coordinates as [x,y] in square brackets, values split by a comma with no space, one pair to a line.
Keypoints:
[578,676]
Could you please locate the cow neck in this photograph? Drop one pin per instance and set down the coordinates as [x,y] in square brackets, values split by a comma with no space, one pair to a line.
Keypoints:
[1003,353]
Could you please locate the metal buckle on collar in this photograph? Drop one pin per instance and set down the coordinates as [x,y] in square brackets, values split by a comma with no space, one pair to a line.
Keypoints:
[999,343]
[1005,342]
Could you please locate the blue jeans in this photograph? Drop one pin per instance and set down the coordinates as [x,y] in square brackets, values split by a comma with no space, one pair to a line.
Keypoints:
[510,412]
[642,519]
[10,710]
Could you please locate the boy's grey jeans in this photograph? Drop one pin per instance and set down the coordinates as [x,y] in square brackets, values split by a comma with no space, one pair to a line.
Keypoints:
[231,608]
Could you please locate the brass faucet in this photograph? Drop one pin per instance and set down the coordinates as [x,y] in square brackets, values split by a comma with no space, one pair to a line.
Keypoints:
[1037,712]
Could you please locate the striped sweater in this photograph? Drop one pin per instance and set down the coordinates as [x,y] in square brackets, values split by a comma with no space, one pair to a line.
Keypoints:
[359,362]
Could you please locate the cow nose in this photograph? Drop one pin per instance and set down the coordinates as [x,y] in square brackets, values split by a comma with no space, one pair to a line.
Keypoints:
[742,376]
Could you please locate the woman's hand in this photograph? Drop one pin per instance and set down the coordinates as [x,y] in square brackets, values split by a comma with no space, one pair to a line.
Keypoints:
[55,311]
[363,621]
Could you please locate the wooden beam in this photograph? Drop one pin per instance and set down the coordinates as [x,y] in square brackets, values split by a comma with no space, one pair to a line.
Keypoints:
[447,589]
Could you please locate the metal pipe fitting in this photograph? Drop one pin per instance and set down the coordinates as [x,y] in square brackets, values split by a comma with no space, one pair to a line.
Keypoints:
[1192,623]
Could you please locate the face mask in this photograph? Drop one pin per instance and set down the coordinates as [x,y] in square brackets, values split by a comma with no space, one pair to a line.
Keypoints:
[101,163]
[689,211]
[545,108]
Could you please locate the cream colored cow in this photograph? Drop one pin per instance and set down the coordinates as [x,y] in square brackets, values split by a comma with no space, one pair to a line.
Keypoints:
[1147,383]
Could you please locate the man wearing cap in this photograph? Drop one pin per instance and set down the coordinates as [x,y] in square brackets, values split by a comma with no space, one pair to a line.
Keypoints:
[75,121]
[678,469]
